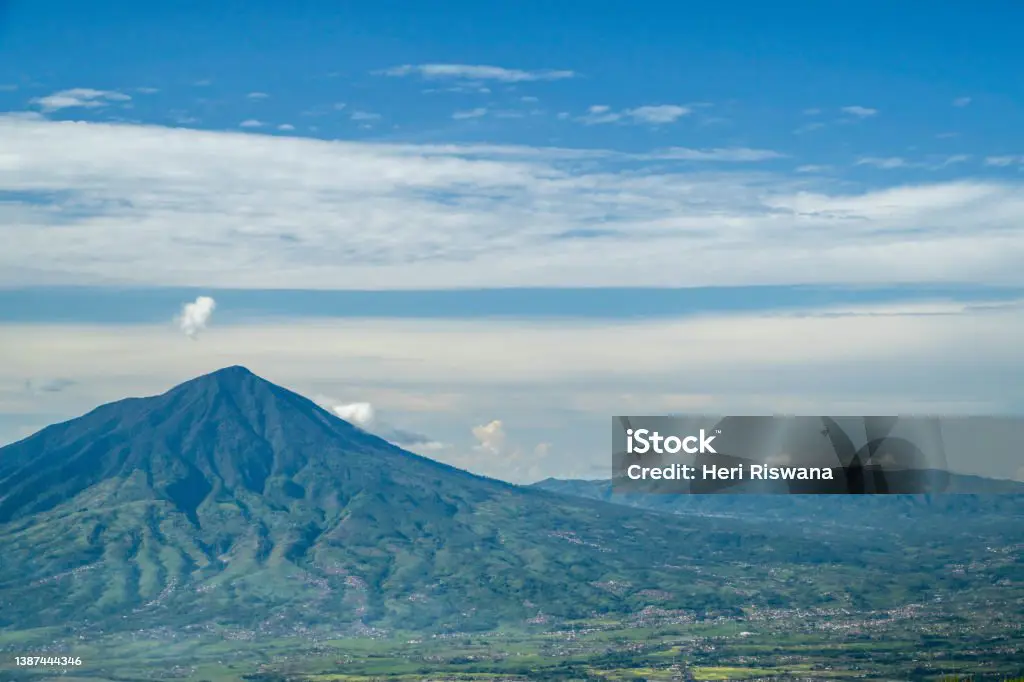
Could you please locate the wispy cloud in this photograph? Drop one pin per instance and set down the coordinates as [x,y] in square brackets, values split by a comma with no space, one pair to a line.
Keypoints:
[257,95]
[471,113]
[182,207]
[364,116]
[813,168]
[809,128]
[882,162]
[251,123]
[859,111]
[961,101]
[286,127]
[147,91]
[85,98]
[476,72]
[1004,161]
[654,114]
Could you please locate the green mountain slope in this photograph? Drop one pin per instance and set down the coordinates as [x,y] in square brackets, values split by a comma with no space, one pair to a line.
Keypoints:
[231,501]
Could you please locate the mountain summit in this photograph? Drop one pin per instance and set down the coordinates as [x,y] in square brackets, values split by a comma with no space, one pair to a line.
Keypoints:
[222,435]
[230,501]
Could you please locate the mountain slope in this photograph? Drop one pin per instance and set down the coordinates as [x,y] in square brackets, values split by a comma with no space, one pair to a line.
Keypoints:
[229,501]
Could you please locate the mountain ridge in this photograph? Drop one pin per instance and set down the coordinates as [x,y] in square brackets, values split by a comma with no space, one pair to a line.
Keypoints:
[231,502]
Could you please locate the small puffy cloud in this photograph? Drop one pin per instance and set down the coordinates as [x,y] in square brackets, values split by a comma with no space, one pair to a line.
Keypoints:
[250,123]
[360,414]
[257,95]
[196,315]
[472,113]
[475,72]
[490,437]
[528,98]
[859,111]
[961,101]
[286,127]
[85,98]
[364,415]
[148,91]
[503,459]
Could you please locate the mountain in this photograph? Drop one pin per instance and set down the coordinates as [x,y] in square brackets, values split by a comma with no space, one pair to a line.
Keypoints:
[969,501]
[229,501]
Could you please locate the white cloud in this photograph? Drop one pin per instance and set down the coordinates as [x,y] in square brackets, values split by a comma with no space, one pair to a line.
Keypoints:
[85,98]
[476,72]
[813,168]
[147,91]
[1003,161]
[953,159]
[196,315]
[961,101]
[251,123]
[733,154]
[662,113]
[257,95]
[809,127]
[494,455]
[649,114]
[490,437]
[883,162]
[360,414]
[146,205]
[364,415]
[364,116]
[859,111]
[472,113]
[286,127]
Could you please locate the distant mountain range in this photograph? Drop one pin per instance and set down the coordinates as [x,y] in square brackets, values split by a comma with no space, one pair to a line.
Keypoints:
[230,501]
[973,499]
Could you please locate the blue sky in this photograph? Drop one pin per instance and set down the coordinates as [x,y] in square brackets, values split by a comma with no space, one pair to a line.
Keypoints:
[803,190]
